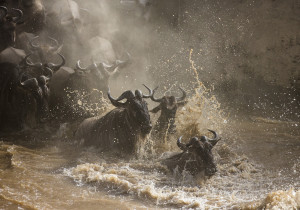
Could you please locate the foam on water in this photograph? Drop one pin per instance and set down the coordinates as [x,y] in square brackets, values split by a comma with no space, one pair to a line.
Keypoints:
[237,182]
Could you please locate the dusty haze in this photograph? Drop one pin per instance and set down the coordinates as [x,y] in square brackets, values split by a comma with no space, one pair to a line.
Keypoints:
[247,52]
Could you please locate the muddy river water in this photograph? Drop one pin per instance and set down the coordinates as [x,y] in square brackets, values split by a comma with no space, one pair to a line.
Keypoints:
[258,167]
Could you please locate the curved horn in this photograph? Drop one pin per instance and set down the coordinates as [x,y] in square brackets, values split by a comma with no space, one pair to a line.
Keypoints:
[122,63]
[106,66]
[54,41]
[20,15]
[48,71]
[216,138]
[155,99]
[183,95]
[28,63]
[106,69]
[150,92]
[110,70]
[79,67]
[180,144]
[127,94]
[32,44]
[4,9]
[56,67]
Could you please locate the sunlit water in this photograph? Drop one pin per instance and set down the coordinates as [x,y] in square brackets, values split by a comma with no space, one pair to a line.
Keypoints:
[258,167]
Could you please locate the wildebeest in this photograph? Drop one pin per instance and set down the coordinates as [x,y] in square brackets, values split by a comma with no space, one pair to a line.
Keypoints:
[34,16]
[41,68]
[24,101]
[65,21]
[101,50]
[168,107]
[196,157]
[8,23]
[122,127]
[44,48]
[84,84]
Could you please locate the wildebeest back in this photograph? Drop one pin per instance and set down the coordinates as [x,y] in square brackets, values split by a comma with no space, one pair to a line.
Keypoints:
[112,131]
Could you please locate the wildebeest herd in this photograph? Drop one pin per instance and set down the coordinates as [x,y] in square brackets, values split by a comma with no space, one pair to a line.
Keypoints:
[33,89]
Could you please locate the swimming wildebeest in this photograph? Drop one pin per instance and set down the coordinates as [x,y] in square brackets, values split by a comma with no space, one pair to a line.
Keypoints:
[122,127]
[196,156]
[168,107]
[24,101]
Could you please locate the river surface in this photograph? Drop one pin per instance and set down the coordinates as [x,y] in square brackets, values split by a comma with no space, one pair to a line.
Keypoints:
[258,167]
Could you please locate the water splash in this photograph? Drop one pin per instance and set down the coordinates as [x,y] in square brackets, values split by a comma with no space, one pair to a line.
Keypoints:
[85,103]
[202,112]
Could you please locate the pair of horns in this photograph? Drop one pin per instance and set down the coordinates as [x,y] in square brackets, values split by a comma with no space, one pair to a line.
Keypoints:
[178,99]
[193,140]
[35,46]
[108,70]
[51,66]
[103,69]
[15,19]
[128,95]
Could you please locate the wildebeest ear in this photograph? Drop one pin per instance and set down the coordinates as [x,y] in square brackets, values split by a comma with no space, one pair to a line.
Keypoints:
[138,94]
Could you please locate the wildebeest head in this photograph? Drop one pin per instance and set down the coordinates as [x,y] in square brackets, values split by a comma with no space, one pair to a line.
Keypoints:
[200,154]
[136,108]
[169,102]
[168,106]
[8,23]
[196,157]
[44,68]
[45,48]
[97,75]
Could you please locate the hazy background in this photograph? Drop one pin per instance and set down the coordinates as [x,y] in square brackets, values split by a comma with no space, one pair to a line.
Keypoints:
[246,52]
